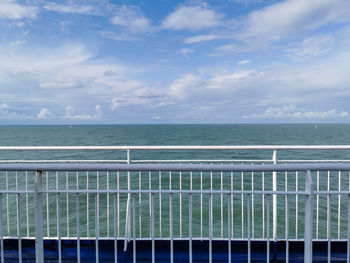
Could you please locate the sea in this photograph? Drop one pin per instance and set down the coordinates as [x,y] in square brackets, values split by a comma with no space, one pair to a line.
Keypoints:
[203,134]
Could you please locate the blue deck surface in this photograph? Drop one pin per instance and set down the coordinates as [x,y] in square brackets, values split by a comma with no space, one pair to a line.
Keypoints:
[162,249]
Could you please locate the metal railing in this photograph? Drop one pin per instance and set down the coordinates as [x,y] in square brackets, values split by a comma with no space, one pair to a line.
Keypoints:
[193,199]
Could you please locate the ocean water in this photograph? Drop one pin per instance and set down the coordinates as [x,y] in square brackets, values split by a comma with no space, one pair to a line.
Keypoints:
[263,134]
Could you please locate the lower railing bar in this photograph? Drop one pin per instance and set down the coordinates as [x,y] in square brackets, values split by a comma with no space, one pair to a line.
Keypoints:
[190,227]
[115,228]
[78,226]
[268,228]
[1,234]
[133,229]
[245,192]
[19,230]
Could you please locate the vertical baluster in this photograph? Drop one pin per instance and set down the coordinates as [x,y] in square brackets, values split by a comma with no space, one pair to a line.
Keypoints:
[190,227]
[19,230]
[229,237]
[7,204]
[107,186]
[150,201]
[263,204]
[329,229]
[140,211]
[39,244]
[171,228]
[58,200]
[67,203]
[118,204]
[221,204]
[1,234]
[87,206]
[133,229]
[97,224]
[348,234]
[252,205]
[317,201]
[78,225]
[249,227]
[152,228]
[339,204]
[180,174]
[296,204]
[160,204]
[47,206]
[115,229]
[201,197]
[242,204]
[268,227]
[27,205]
[231,196]
[210,227]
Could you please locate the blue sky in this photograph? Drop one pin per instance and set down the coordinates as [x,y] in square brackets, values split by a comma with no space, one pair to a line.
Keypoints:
[120,62]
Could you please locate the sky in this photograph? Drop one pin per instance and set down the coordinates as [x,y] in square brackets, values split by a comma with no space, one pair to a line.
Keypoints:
[166,61]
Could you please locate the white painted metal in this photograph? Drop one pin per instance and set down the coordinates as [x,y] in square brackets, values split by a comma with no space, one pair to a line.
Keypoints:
[274,198]
[308,218]
[1,234]
[39,244]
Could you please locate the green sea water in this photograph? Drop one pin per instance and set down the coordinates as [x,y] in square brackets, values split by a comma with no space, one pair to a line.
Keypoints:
[267,134]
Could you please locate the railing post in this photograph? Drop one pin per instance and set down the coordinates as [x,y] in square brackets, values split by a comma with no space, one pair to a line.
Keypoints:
[274,198]
[308,217]
[127,215]
[39,245]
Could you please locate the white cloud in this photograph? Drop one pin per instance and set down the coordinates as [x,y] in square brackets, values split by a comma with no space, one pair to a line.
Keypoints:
[70,114]
[184,85]
[294,16]
[44,113]
[132,19]
[192,18]
[310,47]
[243,62]
[186,51]
[115,104]
[291,111]
[3,106]
[72,9]
[9,9]
[118,36]
[201,38]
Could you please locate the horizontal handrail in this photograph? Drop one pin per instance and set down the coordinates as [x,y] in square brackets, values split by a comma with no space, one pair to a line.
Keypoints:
[178,147]
[174,167]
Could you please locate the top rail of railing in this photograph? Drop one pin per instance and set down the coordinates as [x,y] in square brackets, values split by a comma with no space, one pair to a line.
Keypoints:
[178,147]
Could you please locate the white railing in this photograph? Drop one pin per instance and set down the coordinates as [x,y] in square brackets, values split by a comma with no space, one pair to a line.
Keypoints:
[138,201]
